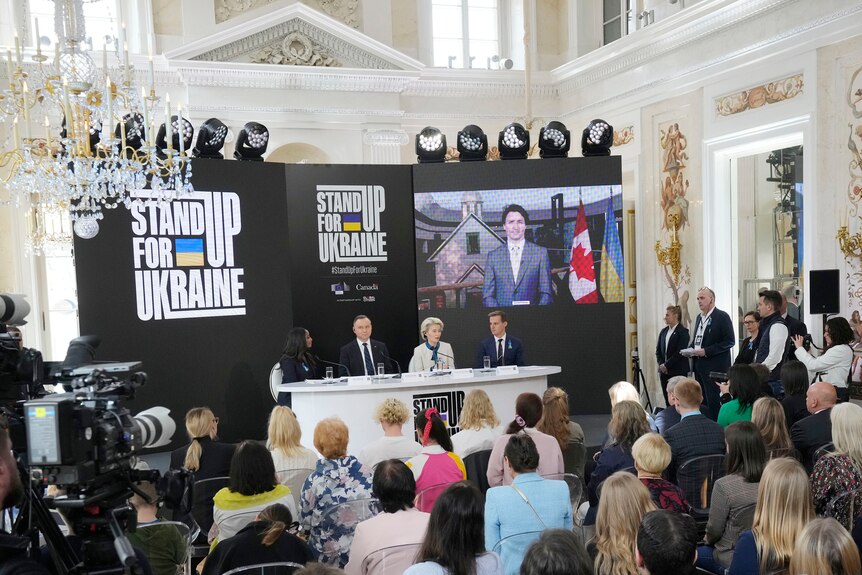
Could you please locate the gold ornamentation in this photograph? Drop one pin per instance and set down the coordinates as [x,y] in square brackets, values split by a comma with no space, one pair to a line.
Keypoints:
[670,256]
[850,245]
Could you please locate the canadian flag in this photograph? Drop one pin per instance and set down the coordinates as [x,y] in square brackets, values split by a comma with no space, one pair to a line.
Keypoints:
[582,276]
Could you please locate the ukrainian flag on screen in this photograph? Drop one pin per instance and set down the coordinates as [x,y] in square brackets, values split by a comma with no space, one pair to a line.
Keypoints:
[351,222]
[610,280]
[190,251]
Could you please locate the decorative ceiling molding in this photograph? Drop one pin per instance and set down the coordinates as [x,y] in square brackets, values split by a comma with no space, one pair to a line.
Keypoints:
[346,11]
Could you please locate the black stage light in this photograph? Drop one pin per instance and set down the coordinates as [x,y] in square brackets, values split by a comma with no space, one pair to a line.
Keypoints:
[472,144]
[188,134]
[133,126]
[514,142]
[251,142]
[554,141]
[597,139]
[211,137]
[430,145]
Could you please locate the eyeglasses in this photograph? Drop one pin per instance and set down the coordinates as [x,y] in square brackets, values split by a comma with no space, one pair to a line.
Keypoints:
[749,322]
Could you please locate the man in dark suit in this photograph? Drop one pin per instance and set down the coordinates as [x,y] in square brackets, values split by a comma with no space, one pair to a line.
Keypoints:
[671,339]
[815,430]
[518,272]
[502,348]
[695,434]
[713,339]
[362,355]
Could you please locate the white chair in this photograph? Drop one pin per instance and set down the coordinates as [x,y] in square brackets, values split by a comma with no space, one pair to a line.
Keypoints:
[281,568]
[275,377]
[294,479]
[183,536]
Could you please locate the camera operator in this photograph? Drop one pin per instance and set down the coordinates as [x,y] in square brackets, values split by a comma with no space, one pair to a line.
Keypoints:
[833,365]
[13,550]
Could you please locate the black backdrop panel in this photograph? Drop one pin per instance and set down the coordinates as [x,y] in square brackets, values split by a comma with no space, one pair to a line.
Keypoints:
[351,239]
[586,340]
[222,361]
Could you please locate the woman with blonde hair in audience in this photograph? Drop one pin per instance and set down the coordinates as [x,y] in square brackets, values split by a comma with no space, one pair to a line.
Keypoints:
[625,500]
[783,509]
[625,391]
[825,548]
[652,455]
[480,426]
[557,423]
[391,414]
[768,415]
[338,478]
[841,470]
[283,441]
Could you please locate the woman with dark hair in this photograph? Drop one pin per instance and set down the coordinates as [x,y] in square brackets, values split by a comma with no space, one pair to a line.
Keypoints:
[297,362]
[748,347]
[833,365]
[528,413]
[744,386]
[265,540]
[454,543]
[746,458]
[557,552]
[436,465]
[794,379]
[530,504]
[252,487]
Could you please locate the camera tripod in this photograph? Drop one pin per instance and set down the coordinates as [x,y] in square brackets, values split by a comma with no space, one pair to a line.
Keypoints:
[639,380]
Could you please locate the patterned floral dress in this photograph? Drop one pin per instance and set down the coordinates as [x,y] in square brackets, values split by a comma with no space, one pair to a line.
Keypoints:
[833,475]
[666,495]
[333,481]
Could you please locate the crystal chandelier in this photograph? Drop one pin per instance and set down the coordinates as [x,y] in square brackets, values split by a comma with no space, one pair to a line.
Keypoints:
[105,149]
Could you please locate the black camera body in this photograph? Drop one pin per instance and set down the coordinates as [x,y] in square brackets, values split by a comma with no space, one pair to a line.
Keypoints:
[718,377]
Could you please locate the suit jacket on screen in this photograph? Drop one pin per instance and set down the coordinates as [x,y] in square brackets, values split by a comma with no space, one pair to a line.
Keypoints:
[534,277]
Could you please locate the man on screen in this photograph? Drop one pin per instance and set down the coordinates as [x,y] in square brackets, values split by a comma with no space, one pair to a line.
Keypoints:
[518,272]
[501,348]
[362,355]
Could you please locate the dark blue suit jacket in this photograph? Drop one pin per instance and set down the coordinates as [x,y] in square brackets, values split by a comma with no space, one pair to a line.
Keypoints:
[718,339]
[351,357]
[534,277]
[513,354]
[670,357]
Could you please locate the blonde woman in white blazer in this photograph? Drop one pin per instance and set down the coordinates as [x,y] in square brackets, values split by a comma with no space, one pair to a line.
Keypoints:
[432,348]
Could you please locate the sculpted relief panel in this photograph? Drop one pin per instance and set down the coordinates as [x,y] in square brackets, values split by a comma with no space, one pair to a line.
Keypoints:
[346,11]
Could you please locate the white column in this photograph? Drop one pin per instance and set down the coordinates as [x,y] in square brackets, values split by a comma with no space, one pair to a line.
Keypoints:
[384,146]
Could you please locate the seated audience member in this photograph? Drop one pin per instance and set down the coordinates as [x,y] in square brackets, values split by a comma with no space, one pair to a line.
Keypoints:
[666,544]
[454,542]
[768,416]
[480,426]
[825,548]
[669,416]
[651,455]
[338,478]
[432,352]
[783,509]
[695,434]
[557,552]
[531,503]
[399,524]
[794,379]
[264,540]
[557,423]
[746,457]
[435,465]
[627,425]
[624,391]
[283,441]
[764,376]
[748,347]
[841,470]
[744,386]
[208,458]
[164,545]
[833,365]
[815,430]
[252,487]
[624,502]
[528,413]
[297,362]
[392,414]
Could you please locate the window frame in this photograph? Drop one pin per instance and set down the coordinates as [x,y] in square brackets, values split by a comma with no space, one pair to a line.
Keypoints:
[426,34]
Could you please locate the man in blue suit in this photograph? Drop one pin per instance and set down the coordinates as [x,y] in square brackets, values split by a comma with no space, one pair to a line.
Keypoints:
[518,272]
[713,339]
[502,348]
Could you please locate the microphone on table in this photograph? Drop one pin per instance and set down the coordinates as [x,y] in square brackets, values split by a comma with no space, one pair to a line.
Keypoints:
[392,359]
[346,369]
[440,353]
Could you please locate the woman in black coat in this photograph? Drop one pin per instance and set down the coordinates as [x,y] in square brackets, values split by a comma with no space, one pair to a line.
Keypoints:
[297,362]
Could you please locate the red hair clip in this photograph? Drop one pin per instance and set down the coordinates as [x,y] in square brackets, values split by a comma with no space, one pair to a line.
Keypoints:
[427,431]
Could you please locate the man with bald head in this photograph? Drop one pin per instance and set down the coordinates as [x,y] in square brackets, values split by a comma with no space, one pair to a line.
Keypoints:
[713,338]
[815,430]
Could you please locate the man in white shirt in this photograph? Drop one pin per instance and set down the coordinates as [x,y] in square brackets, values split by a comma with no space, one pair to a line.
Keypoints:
[772,346]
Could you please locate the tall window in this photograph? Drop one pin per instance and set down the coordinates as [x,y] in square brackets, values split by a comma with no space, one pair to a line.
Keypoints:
[618,19]
[464,29]
[100,22]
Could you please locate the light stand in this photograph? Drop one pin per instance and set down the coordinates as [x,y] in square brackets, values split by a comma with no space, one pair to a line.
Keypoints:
[638,378]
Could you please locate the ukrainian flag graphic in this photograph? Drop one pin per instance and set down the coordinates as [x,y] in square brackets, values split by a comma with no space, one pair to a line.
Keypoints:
[351,222]
[190,252]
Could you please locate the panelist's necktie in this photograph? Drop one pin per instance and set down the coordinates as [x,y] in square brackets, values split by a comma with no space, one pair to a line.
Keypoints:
[500,351]
[369,365]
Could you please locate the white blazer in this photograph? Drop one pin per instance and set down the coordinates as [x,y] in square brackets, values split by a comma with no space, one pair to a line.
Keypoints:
[421,360]
[835,364]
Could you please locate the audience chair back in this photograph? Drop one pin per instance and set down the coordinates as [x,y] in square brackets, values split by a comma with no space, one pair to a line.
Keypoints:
[846,508]
[821,451]
[281,568]
[185,533]
[346,516]
[234,523]
[741,518]
[574,458]
[275,377]
[576,488]
[696,477]
[394,559]
[426,498]
[512,549]
[202,502]
[294,479]
[476,465]
[790,452]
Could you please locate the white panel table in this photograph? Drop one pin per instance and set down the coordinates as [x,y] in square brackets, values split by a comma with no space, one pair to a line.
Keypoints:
[355,403]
